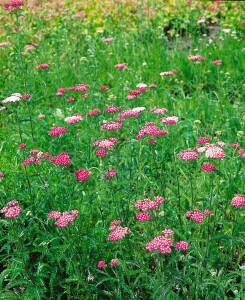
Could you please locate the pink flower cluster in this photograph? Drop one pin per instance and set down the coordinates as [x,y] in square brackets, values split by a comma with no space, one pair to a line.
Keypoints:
[80,88]
[121,66]
[43,66]
[160,243]
[73,119]
[78,15]
[110,174]
[217,62]
[197,215]
[13,98]
[111,126]
[93,112]
[214,152]
[181,245]
[135,93]
[117,232]
[63,219]
[168,73]
[208,167]
[61,159]
[35,157]
[26,96]
[159,111]
[238,200]
[113,109]
[102,264]
[170,120]
[12,209]
[108,40]
[57,131]
[1,175]
[203,140]
[188,155]
[196,58]
[14,5]
[82,175]
[105,143]
[145,205]
[151,129]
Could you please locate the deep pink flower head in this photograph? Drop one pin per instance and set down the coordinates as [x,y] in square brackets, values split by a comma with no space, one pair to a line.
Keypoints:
[145,205]
[196,215]
[100,152]
[1,175]
[43,66]
[159,111]
[57,131]
[142,216]
[63,219]
[70,99]
[167,232]
[208,167]
[196,57]
[107,40]
[117,232]
[14,5]
[62,159]
[114,262]
[82,175]
[113,109]
[104,87]
[102,264]
[242,23]
[238,200]
[181,245]
[159,199]
[235,145]
[121,66]
[93,112]
[26,96]
[203,140]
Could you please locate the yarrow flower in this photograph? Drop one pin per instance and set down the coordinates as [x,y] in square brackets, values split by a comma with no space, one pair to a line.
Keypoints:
[57,131]
[121,66]
[117,232]
[93,112]
[167,232]
[235,145]
[159,111]
[26,96]
[197,215]
[214,152]
[102,264]
[170,120]
[181,245]
[73,119]
[238,200]
[208,167]
[61,159]
[100,152]
[82,175]
[63,219]
[12,209]
[111,126]
[114,262]
[188,155]
[203,140]
[142,216]
[110,174]
[1,175]
[113,109]
[217,62]
[13,98]
[78,15]
[160,243]
[151,129]
[196,58]
[14,5]
[146,204]
[43,66]
[104,87]
[5,44]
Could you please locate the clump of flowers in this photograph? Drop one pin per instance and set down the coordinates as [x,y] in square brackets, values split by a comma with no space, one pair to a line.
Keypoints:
[151,129]
[110,174]
[160,243]
[13,98]
[14,5]
[82,175]
[102,264]
[117,232]
[238,200]
[111,126]
[203,140]
[43,66]
[12,209]
[57,131]
[121,66]
[146,205]
[181,245]
[214,152]
[217,62]
[113,109]
[63,219]
[170,120]
[159,111]
[197,215]
[196,58]
[73,119]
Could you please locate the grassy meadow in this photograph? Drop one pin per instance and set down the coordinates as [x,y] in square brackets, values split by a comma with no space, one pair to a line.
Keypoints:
[122,150]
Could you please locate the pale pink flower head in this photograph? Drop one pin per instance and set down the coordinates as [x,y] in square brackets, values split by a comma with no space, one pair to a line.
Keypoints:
[12,209]
[111,126]
[114,262]
[102,264]
[196,58]
[107,40]
[217,62]
[160,111]
[13,98]
[166,73]
[2,108]
[146,204]
[54,214]
[41,116]
[238,200]
[181,245]
[57,131]
[5,44]
[170,120]
[168,232]
[221,144]
[117,232]
[188,155]
[214,152]
[208,167]
[73,119]
[121,66]
[153,86]
[159,199]
[82,175]
[43,66]
[78,15]
[160,243]
[113,109]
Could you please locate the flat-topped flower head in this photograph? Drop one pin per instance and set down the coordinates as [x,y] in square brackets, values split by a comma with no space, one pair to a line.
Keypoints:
[168,232]
[110,174]
[111,126]
[113,109]
[102,264]
[121,66]
[82,175]
[146,204]
[203,140]
[62,159]
[214,152]
[14,5]
[217,62]
[160,243]
[181,245]
[43,66]
[188,155]
[12,209]
[159,111]
[238,200]
[73,119]
[16,97]
[208,167]
[170,120]
[57,131]
[114,262]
